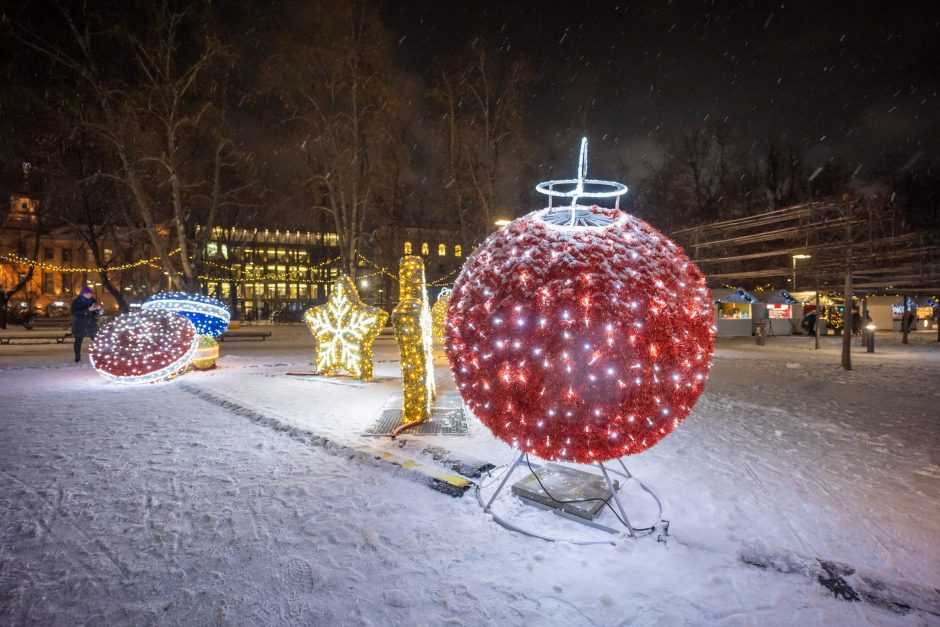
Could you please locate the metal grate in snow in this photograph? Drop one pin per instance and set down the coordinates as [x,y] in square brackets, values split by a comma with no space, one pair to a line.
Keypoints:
[447,418]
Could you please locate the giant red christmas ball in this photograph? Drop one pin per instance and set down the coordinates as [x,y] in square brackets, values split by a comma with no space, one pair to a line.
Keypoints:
[144,347]
[581,342]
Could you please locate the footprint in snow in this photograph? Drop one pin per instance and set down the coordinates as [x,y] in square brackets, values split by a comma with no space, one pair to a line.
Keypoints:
[299,581]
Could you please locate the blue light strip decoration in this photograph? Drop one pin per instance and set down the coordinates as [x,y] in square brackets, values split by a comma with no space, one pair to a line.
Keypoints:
[209,315]
[789,299]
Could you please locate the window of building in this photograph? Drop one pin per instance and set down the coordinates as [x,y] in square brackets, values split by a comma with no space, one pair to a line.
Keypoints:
[66,255]
[407,248]
[425,249]
[442,250]
[48,282]
[108,253]
[458,252]
[48,253]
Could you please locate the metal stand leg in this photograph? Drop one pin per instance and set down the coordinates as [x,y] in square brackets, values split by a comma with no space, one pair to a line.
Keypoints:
[643,485]
[613,491]
[503,482]
[624,466]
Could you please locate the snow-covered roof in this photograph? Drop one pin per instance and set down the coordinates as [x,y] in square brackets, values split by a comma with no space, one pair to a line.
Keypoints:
[782,298]
[739,295]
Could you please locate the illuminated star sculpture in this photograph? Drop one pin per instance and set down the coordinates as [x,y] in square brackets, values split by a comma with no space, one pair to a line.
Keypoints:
[439,315]
[345,329]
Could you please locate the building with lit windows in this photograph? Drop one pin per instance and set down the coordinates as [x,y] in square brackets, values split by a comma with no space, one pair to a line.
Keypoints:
[259,273]
[262,273]
[65,262]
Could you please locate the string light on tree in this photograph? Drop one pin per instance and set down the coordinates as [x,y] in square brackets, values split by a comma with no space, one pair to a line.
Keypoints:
[439,315]
[144,347]
[412,322]
[345,329]
[580,333]
[210,315]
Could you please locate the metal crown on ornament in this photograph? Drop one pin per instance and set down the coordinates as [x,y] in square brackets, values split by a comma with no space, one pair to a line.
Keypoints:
[575,214]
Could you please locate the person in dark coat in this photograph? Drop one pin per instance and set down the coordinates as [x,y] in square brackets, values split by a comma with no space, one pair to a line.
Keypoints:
[85,311]
[809,323]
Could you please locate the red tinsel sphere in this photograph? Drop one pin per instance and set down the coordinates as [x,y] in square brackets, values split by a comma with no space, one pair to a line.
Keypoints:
[144,347]
[580,343]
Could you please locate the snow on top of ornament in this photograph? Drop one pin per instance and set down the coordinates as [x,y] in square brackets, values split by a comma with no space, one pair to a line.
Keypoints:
[580,341]
[144,347]
[210,315]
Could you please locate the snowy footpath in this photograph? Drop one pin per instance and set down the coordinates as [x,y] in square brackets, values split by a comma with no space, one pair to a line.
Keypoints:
[797,494]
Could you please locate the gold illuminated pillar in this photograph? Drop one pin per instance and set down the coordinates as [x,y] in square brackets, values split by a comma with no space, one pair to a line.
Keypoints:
[412,322]
[439,315]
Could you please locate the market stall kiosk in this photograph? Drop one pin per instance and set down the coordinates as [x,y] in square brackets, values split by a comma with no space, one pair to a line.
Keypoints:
[784,313]
[736,313]
[926,319]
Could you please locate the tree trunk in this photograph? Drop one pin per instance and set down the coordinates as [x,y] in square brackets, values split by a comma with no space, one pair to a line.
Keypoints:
[233,300]
[905,325]
[847,318]
[6,295]
[847,298]
[864,321]
[115,292]
[818,315]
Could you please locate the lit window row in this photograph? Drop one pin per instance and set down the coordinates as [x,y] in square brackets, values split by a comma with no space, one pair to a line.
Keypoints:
[441,249]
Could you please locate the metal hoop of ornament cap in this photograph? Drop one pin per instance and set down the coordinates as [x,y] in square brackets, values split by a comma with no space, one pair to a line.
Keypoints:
[579,217]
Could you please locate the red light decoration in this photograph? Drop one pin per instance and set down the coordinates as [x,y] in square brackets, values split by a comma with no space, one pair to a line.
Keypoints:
[144,347]
[581,340]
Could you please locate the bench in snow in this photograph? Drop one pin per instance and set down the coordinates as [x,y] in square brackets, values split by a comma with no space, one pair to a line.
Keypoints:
[245,335]
[42,337]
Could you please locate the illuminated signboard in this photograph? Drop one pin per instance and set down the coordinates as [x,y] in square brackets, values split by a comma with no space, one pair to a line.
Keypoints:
[779,311]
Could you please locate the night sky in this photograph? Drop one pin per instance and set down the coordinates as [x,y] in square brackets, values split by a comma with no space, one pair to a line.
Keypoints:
[842,80]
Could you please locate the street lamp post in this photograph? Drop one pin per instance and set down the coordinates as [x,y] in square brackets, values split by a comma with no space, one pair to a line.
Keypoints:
[793,280]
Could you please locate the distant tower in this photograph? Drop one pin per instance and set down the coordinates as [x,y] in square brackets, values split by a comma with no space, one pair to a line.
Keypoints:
[23,206]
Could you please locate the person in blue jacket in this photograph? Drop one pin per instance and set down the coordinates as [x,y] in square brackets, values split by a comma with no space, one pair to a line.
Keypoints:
[85,311]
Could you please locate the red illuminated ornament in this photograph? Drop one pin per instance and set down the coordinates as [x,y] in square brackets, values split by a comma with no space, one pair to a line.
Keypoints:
[144,347]
[581,333]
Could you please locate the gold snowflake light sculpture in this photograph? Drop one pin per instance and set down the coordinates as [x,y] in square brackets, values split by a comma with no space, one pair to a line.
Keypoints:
[412,322]
[439,314]
[345,329]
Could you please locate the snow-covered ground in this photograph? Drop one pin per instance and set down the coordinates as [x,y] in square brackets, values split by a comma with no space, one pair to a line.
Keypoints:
[248,496]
